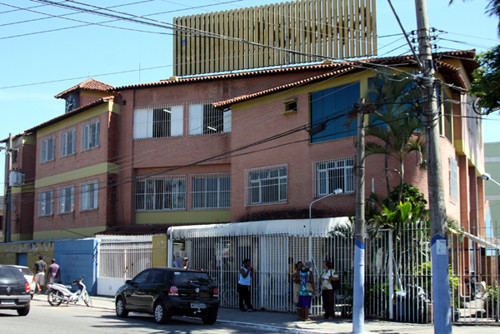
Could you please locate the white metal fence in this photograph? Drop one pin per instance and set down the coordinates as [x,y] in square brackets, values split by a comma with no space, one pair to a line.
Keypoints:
[398,282]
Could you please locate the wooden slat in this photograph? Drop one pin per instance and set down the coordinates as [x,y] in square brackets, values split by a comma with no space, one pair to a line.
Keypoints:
[218,43]
[246,33]
[364,40]
[336,31]
[176,48]
[373,25]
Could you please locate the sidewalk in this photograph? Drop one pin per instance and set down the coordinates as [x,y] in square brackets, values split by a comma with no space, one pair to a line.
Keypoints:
[287,323]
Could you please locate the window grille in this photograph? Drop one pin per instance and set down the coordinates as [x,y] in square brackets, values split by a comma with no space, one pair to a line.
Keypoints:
[68,143]
[205,119]
[158,122]
[211,191]
[453,179]
[267,185]
[89,196]
[160,194]
[91,136]
[66,199]
[48,149]
[45,203]
[334,174]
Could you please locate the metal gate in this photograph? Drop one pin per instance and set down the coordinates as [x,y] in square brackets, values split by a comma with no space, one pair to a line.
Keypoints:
[398,276]
[121,258]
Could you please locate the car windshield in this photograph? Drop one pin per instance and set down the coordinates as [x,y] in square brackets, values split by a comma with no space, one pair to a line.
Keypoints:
[181,278]
[26,271]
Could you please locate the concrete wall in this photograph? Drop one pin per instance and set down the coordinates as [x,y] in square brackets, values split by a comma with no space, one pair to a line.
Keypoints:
[29,250]
[492,190]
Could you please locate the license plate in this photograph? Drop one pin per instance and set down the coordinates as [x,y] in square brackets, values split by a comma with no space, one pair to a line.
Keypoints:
[198,305]
[8,302]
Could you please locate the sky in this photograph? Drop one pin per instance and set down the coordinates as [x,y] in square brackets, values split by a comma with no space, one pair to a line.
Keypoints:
[47,49]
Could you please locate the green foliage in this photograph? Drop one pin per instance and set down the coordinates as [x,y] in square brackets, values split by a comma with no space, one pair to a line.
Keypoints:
[487,79]
[424,270]
[491,303]
[393,214]
[395,123]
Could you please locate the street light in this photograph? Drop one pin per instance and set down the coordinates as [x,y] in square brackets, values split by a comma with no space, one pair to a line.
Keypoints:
[487,177]
[335,192]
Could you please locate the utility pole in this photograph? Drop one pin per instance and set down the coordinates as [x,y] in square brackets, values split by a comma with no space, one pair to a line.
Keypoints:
[8,195]
[437,208]
[358,312]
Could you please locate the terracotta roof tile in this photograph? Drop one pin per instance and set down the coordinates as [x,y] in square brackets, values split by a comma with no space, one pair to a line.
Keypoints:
[451,73]
[89,84]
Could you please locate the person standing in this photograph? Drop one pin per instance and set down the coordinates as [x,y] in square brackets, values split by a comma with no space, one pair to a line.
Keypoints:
[327,290]
[53,272]
[39,270]
[185,263]
[244,283]
[296,287]
[306,290]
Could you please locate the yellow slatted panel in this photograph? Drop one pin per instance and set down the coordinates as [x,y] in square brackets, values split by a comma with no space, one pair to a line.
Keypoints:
[311,28]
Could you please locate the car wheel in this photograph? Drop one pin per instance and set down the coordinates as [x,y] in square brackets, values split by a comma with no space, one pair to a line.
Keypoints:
[209,320]
[120,308]
[55,298]
[160,313]
[23,311]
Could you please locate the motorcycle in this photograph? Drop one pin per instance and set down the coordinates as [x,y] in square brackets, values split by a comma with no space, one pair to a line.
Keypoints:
[60,293]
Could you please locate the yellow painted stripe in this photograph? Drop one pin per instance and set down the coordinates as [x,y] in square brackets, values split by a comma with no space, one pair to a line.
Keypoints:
[68,233]
[173,217]
[26,188]
[78,174]
[80,117]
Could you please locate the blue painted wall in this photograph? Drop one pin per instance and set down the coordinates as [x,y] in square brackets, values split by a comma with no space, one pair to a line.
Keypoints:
[77,257]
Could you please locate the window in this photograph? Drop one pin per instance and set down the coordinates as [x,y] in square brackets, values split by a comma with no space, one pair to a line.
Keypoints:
[158,122]
[45,203]
[89,196]
[48,149]
[267,185]
[328,110]
[68,143]
[66,200]
[161,194]
[91,136]
[290,106]
[453,179]
[205,119]
[211,191]
[334,174]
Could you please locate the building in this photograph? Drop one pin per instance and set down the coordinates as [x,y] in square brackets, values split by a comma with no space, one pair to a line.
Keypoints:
[143,157]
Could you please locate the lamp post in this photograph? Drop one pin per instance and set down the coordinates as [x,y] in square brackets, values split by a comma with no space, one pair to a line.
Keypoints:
[335,192]
[487,177]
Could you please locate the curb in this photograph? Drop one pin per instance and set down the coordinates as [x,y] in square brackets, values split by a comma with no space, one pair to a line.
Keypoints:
[268,328]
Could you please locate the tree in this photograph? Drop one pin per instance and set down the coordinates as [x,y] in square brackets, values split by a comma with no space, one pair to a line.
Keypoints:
[396,122]
[487,80]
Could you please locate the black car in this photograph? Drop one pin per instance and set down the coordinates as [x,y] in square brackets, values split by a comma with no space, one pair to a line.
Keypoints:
[165,292]
[14,290]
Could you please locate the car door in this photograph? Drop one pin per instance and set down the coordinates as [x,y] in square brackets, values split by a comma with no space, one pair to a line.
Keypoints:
[156,284]
[135,292]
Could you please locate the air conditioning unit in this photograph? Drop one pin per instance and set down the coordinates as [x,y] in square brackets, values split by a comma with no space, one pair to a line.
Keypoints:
[16,179]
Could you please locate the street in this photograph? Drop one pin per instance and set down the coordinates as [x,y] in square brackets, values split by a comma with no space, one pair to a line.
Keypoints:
[77,319]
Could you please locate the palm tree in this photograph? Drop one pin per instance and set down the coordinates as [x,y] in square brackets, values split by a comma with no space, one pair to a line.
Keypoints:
[396,124]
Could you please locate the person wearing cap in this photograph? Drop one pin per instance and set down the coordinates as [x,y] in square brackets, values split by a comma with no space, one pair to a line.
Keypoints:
[307,289]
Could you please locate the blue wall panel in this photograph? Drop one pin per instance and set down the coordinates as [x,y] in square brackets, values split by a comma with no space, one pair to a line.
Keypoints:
[77,257]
